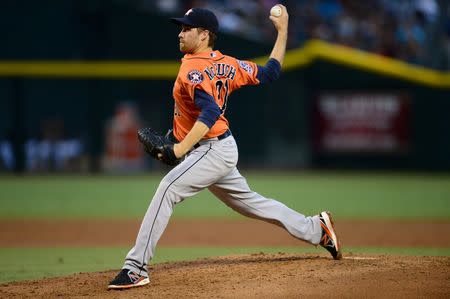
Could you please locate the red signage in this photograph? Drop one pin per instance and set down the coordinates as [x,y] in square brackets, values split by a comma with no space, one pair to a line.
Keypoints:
[362,122]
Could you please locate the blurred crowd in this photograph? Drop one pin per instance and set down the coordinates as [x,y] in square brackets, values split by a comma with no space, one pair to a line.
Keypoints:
[52,149]
[415,31]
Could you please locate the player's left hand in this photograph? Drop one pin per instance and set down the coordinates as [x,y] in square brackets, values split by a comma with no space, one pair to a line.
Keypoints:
[157,146]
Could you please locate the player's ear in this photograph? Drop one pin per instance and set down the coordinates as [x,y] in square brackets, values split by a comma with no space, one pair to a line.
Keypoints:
[204,34]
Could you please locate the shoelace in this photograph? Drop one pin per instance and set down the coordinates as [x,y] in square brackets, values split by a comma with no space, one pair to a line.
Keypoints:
[327,241]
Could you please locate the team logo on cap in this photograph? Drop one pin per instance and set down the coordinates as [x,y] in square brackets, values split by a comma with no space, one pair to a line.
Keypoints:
[248,68]
[195,76]
[188,12]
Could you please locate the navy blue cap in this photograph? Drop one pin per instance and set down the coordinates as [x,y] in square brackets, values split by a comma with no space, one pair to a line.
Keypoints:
[199,17]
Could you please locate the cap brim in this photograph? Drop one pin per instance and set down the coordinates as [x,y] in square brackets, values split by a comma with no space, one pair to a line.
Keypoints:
[181,21]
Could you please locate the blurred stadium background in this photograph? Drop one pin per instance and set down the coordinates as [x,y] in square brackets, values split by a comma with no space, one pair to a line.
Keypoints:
[366,84]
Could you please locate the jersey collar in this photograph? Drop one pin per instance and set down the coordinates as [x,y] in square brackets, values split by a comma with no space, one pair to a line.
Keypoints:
[214,55]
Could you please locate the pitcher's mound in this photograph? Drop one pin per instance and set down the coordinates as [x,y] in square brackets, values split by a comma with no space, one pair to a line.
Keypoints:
[262,276]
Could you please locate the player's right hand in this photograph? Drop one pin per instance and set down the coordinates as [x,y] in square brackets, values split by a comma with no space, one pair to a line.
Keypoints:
[281,22]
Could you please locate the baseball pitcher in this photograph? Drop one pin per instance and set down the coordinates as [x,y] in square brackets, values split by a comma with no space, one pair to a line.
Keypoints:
[202,148]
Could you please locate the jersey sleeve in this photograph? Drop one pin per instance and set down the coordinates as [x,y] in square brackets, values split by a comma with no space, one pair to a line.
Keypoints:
[192,77]
[246,73]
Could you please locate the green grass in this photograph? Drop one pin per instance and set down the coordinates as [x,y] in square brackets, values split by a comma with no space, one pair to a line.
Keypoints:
[351,195]
[34,263]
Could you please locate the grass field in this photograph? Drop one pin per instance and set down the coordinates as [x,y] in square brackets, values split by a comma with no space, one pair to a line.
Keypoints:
[350,196]
[347,195]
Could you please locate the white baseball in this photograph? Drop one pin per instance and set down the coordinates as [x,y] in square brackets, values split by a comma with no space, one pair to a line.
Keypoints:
[275,11]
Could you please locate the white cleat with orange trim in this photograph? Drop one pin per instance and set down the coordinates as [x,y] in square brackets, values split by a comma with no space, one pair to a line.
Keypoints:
[329,239]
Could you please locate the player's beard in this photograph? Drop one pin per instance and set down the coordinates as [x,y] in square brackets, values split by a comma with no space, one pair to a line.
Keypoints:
[189,45]
[182,47]
[185,48]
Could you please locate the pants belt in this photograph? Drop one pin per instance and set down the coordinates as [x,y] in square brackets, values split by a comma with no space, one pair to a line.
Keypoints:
[220,137]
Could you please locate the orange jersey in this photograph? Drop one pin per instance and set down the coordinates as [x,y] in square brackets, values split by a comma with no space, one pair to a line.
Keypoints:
[214,73]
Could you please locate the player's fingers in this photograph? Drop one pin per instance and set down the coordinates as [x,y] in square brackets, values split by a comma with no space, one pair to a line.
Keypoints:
[279,22]
[284,13]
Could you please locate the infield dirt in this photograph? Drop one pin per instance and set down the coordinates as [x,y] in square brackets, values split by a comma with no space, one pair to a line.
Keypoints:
[257,275]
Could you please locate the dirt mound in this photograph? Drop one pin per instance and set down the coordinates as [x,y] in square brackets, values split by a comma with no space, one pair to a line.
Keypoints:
[244,276]
[262,276]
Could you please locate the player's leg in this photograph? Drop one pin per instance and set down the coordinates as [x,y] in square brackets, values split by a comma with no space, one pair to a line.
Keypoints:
[200,169]
[234,191]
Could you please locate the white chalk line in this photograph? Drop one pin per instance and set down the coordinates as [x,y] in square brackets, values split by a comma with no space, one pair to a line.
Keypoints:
[359,258]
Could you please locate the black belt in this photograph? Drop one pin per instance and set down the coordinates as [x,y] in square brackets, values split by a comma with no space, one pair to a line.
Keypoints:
[220,137]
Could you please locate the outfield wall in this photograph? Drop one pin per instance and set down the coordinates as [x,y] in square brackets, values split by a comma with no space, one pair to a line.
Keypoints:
[98,57]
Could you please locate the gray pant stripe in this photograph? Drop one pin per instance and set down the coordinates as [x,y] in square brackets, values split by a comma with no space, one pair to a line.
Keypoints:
[159,207]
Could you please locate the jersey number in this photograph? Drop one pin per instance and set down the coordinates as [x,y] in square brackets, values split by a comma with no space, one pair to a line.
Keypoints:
[222,93]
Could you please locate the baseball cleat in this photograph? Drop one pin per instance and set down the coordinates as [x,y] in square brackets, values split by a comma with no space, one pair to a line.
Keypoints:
[329,239]
[128,279]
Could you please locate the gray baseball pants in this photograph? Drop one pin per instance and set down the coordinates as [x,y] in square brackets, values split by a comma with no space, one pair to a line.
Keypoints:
[212,165]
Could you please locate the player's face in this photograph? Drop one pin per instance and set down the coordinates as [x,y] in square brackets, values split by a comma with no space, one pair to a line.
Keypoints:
[190,40]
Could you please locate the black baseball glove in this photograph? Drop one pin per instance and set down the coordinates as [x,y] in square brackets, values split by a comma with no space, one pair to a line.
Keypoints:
[158,146]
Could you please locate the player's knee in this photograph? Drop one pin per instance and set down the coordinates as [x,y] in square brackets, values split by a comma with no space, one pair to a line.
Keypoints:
[164,185]
[169,189]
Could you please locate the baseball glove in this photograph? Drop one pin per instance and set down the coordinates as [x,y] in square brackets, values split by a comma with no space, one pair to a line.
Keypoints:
[158,146]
